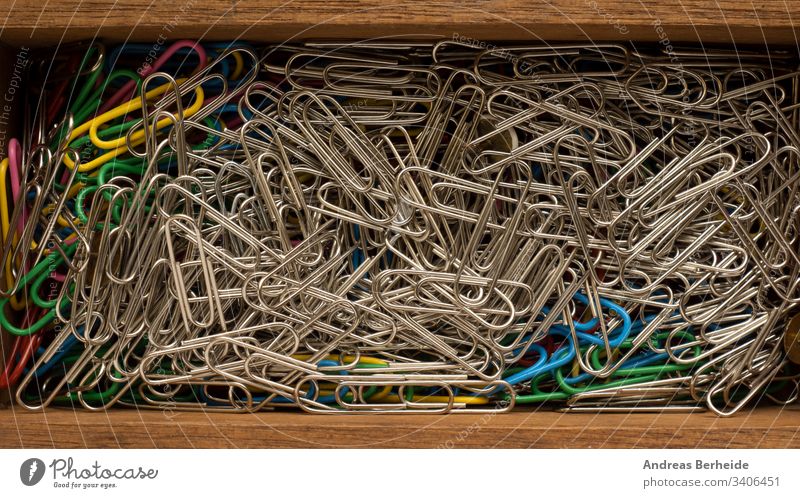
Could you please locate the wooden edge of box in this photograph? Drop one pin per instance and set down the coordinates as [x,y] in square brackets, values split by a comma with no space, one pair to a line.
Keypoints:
[763,23]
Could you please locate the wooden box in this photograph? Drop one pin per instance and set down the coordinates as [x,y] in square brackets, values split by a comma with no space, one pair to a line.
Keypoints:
[762,25]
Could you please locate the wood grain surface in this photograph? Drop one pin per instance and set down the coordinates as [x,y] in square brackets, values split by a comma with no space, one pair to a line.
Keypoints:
[44,22]
[766,427]
[8,130]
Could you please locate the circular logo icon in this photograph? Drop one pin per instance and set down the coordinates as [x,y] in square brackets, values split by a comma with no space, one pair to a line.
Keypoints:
[31,471]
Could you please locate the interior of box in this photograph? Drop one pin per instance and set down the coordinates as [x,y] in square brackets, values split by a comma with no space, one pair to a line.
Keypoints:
[659,25]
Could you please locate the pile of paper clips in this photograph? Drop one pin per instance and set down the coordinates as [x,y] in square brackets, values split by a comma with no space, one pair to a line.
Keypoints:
[404,227]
